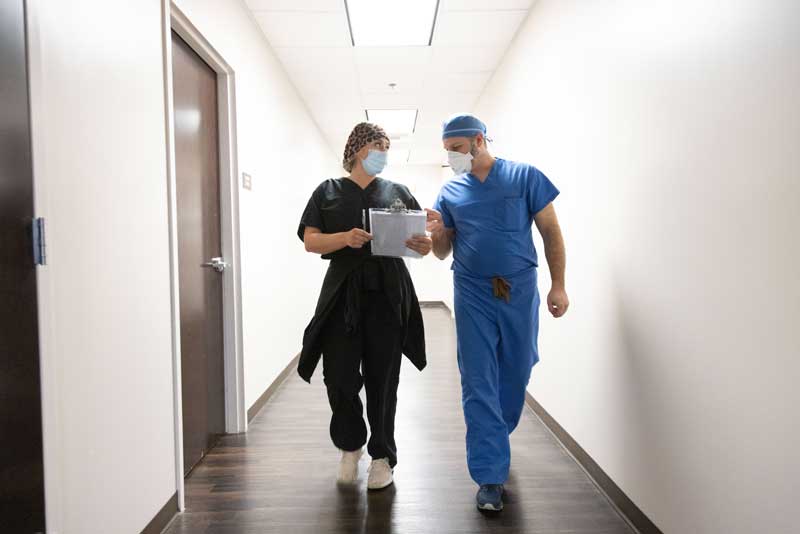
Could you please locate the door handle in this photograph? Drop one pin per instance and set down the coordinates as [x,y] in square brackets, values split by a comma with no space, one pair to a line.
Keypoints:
[217,264]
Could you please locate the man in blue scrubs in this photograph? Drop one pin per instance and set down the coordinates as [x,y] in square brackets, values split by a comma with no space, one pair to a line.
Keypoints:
[485,216]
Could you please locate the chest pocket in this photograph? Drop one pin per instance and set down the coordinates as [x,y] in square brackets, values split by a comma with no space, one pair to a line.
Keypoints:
[511,214]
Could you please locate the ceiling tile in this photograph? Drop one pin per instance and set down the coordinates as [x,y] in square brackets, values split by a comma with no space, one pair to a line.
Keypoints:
[377,83]
[466,58]
[304,29]
[447,103]
[316,58]
[457,82]
[333,88]
[392,100]
[296,5]
[392,57]
[321,70]
[496,27]
[333,100]
[481,5]
[404,66]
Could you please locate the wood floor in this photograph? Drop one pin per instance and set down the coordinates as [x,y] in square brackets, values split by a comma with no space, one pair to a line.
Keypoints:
[280,476]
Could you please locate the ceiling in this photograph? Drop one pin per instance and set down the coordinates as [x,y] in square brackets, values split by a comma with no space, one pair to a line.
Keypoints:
[339,81]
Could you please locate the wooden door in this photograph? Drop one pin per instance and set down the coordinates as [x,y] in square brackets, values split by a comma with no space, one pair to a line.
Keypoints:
[198,199]
[21,463]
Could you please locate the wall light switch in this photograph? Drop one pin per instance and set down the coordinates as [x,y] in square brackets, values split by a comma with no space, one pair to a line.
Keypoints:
[247,181]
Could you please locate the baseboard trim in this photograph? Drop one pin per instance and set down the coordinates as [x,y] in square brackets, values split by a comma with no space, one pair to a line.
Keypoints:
[163,517]
[434,304]
[270,391]
[624,505]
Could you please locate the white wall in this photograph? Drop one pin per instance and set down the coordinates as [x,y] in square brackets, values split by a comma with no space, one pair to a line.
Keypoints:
[287,157]
[100,171]
[433,279]
[672,129]
[100,161]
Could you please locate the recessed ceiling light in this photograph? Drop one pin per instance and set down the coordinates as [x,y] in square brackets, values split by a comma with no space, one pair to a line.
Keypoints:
[396,122]
[391,22]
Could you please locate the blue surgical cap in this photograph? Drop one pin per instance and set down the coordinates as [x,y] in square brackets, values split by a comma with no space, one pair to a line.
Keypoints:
[464,125]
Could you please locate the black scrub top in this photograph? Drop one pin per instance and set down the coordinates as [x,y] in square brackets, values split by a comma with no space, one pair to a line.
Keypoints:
[337,205]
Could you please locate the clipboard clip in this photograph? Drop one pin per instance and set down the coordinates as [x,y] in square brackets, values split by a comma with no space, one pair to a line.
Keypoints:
[397,206]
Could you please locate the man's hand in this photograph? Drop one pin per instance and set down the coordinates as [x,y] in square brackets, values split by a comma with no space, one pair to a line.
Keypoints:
[435,224]
[356,238]
[557,302]
[421,244]
[441,235]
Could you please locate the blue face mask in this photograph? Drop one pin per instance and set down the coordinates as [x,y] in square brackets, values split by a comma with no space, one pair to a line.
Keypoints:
[375,162]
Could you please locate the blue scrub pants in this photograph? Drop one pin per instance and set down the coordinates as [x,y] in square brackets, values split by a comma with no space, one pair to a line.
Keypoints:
[496,351]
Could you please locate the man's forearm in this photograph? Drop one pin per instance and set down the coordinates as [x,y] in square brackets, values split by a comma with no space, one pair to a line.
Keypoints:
[442,244]
[556,256]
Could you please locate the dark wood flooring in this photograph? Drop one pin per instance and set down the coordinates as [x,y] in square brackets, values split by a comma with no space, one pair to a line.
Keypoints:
[280,476]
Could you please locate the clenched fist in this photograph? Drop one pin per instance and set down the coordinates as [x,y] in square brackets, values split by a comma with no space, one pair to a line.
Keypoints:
[557,302]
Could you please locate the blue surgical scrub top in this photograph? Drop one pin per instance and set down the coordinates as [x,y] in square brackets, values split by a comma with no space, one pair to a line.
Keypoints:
[493,219]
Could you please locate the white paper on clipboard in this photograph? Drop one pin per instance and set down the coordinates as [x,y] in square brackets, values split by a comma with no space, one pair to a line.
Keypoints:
[391,229]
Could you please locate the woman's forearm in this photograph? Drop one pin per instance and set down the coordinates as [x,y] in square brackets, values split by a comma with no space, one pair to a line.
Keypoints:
[320,243]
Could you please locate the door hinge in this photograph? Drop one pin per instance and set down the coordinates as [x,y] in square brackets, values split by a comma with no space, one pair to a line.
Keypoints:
[39,244]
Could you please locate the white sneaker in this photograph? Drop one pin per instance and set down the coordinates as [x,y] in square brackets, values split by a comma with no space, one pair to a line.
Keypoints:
[348,466]
[380,474]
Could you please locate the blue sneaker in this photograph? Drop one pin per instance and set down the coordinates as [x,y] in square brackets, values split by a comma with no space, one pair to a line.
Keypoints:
[490,497]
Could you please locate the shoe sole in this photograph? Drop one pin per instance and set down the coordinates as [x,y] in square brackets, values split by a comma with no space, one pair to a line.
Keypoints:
[489,507]
[378,488]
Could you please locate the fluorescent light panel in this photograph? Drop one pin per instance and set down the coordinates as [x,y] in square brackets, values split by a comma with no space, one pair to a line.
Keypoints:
[396,122]
[391,22]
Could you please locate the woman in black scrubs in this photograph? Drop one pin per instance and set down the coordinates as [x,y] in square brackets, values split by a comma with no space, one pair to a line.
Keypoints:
[367,314]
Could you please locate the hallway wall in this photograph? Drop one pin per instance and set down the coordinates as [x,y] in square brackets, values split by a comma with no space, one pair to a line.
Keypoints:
[100,171]
[100,174]
[672,129]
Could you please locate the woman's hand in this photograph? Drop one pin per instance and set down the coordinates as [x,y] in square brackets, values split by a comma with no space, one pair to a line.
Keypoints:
[356,238]
[421,244]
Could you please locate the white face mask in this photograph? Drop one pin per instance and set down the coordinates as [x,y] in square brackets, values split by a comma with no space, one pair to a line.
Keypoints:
[460,163]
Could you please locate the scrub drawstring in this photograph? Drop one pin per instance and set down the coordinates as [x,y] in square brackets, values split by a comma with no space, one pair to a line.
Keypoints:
[502,289]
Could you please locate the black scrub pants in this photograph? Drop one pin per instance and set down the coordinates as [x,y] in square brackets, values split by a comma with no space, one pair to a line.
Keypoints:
[370,357]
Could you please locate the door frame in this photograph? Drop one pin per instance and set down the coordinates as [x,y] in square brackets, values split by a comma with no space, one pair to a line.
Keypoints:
[235,411]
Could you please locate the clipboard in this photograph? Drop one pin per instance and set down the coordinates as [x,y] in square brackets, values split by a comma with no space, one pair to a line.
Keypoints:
[391,228]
